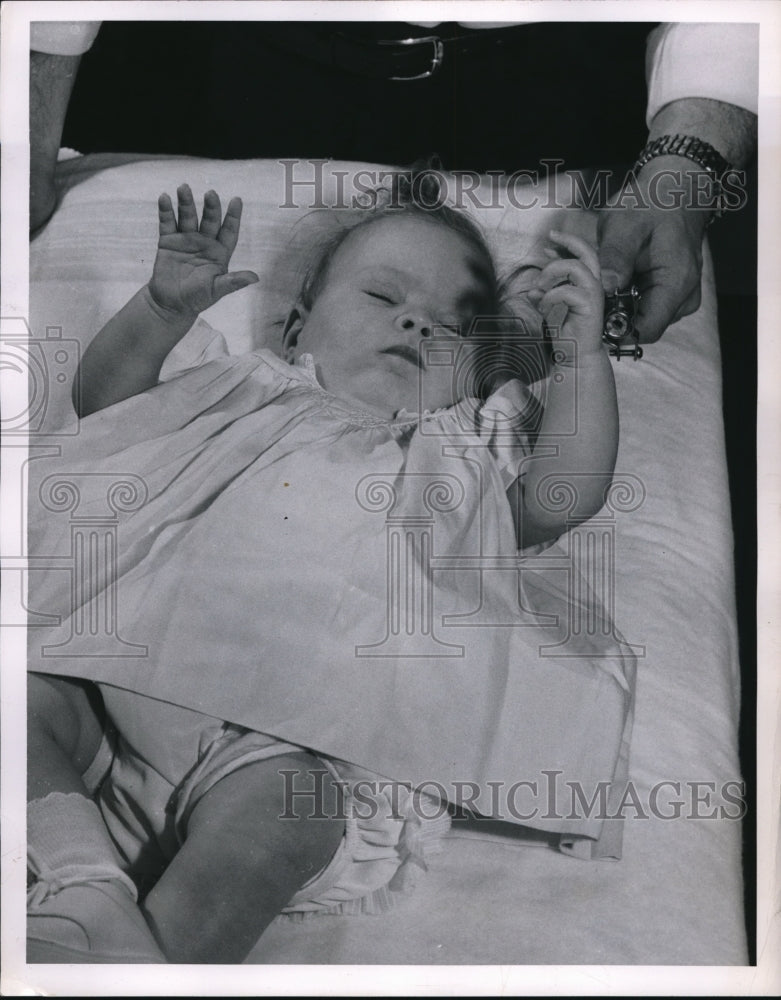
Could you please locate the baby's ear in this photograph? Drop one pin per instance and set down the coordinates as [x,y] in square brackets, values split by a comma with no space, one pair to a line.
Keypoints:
[294,324]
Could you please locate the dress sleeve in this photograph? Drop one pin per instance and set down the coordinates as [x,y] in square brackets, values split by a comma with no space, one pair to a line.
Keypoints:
[715,61]
[201,344]
[505,422]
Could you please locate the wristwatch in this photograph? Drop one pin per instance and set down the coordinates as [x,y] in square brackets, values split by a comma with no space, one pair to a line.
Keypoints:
[699,152]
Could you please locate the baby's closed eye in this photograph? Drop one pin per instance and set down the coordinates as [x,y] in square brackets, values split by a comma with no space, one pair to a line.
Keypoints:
[382,295]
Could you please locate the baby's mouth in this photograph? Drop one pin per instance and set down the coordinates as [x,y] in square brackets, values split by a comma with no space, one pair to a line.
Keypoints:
[406,352]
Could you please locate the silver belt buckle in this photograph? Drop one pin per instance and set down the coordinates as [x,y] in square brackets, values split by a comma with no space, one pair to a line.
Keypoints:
[437,55]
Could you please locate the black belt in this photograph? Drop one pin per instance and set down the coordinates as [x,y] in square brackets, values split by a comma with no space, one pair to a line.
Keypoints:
[413,57]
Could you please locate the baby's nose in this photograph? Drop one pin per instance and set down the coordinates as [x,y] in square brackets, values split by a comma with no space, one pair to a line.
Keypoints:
[412,321]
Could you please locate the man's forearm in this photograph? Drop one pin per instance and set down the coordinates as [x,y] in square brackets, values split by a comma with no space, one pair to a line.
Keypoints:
[732,131]
[51,82]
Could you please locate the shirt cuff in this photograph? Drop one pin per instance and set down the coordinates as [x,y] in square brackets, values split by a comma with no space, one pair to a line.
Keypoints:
[63,38]
[719,62]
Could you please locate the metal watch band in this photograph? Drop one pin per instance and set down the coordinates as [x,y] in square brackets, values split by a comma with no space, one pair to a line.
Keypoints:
[702,153]
[696,150]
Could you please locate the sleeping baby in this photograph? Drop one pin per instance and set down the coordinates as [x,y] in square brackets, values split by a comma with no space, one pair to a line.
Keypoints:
[314,682]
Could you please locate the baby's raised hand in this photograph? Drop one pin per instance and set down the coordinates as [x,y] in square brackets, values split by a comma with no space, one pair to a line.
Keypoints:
[191,268]
[575,282]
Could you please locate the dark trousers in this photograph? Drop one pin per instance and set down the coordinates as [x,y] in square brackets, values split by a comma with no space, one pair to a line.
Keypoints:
[501,100]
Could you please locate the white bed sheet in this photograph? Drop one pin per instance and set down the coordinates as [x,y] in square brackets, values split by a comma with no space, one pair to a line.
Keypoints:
[676,897]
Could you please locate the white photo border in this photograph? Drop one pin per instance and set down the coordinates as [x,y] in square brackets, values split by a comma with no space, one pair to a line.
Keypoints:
[764,978]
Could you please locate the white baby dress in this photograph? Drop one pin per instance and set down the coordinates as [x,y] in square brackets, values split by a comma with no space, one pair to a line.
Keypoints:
[239,542]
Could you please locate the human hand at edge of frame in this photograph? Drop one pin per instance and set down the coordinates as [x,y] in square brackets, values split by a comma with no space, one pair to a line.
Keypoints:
[191,267]
[571,279]
[660,251]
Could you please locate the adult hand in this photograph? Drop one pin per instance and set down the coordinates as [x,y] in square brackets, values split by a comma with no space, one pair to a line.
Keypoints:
[655,239]
[657,248]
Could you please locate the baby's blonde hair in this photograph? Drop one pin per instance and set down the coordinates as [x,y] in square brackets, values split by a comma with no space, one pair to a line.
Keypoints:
[452,219]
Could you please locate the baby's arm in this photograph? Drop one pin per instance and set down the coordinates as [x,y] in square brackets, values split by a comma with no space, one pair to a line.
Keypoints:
[190,274]
[586,458]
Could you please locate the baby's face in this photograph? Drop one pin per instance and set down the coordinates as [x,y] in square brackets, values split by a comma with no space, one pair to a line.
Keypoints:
[389,286]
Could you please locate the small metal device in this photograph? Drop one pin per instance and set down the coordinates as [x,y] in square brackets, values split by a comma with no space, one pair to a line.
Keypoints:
[619,331]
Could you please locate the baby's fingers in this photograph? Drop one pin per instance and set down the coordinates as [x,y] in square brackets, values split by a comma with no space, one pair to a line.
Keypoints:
[566,270]
[212,214]
[166,216]
[229,231]
[568,295]
[188,215]
[227,283]
[579,248]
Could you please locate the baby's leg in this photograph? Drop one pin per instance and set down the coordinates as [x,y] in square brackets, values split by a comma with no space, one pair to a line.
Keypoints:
[82,906]
[64,731]
[241,864]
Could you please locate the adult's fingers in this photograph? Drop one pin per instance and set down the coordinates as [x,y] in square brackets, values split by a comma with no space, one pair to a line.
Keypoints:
[689,305]
[620,239]
[669,281]
[661,305]
[660,253]
[229,231]
[212,214]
